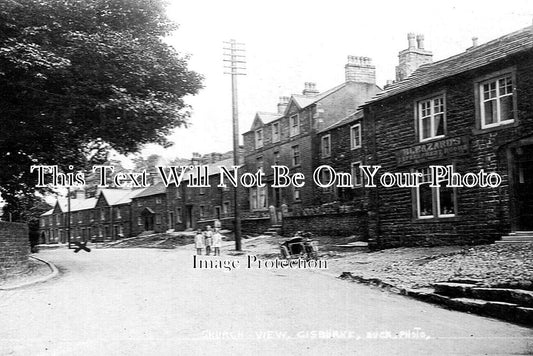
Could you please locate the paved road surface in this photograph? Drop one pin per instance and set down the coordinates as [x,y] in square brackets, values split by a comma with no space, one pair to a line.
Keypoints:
[152,302]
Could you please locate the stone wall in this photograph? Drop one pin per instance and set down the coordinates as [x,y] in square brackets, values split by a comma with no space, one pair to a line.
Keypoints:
[14,246]
[482,214]
[340,224]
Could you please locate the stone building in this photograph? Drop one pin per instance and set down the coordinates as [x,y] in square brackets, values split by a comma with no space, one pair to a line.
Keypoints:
[289,137]
[473,111]
[149,210]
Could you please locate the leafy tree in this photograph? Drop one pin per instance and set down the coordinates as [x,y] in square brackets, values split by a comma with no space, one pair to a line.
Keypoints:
[81,77]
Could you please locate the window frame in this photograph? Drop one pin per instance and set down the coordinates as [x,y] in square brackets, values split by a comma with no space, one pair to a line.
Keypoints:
[296,157]
[418,116]
[435,202]
[352,145]
[479,100]
[322,147]
[276,137]
[356,182]
[294,130]
[259,138]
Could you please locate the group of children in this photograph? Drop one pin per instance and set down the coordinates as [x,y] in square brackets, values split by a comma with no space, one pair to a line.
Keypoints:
[208,239]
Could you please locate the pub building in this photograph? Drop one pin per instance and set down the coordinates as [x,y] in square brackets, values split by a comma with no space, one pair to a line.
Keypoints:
[474,111]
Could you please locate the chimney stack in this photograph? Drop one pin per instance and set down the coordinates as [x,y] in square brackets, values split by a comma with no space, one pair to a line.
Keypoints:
[411,40]
[282,105]
[360,70]
[412,57]
[196,159]
[310,89]
[420,41]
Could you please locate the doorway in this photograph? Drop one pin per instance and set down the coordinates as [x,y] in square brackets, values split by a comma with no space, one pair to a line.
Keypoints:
[524,187]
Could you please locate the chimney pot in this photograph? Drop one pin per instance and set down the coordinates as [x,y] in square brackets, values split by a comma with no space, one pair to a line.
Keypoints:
[474,41]
[310,89]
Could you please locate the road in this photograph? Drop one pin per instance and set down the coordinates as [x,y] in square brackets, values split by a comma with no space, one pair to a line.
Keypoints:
[152,302]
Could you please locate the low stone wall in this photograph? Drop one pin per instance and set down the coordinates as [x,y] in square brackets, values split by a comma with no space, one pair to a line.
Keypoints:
[338,224]
[255,226]
[14,246]
[248,226]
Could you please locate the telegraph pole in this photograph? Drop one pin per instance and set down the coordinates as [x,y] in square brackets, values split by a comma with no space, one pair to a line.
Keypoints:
[234,61]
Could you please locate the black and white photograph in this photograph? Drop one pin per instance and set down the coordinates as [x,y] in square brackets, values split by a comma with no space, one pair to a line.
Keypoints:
[266,177]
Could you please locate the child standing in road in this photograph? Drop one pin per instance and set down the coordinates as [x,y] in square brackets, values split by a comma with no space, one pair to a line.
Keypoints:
[217,241]
[208,234]
[199,242]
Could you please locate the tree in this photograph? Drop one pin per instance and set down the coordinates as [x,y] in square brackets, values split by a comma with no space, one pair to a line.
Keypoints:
[81,77]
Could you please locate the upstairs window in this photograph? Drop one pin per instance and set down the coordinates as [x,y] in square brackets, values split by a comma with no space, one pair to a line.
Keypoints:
[294,125]
[431,118]
[275,132]
[496,101]
[355,136]
[326,146]
[259,138]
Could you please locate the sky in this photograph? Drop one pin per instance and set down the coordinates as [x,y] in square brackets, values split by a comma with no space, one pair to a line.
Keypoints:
[289,43]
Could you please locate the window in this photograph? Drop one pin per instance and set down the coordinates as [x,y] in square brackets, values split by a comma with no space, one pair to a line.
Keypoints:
[357,179]
[355,136]
[178,215]
[158,200]
[259,163]
[178,193]
[92,215]
[259,138]
[296,193]
[496,101]
[431,118]
[201,191]
[225,207]
[296,155]
[139,203]
[294,125]
[276,158]
[217,212]
[102,214]
[258,199]
[202,211]
[80,217]
[119,216]
[158,219]
[326,146]
[275,132]
[139,222]
[325,179]
[434,202]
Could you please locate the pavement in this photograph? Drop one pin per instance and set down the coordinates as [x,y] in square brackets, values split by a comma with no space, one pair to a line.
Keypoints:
[153,302]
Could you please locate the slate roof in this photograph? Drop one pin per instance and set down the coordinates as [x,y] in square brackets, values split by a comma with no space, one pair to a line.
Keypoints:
[304,101]
[267,117]
[155,189]
[350,118]
[76,204]
[472,58]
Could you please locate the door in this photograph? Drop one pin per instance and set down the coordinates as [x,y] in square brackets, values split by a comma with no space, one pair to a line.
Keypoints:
[149,222]
[525,188]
